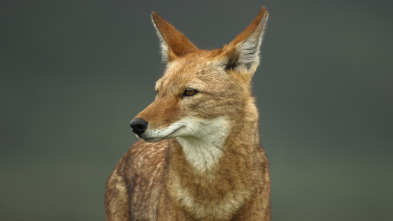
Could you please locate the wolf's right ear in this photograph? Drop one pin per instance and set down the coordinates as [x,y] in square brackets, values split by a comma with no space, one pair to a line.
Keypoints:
[174,44]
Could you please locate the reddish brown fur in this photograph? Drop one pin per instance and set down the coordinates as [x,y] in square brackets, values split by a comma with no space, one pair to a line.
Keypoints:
[155,181]
[178,44]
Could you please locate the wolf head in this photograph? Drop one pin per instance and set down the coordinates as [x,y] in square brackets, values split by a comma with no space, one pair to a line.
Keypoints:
[202,93]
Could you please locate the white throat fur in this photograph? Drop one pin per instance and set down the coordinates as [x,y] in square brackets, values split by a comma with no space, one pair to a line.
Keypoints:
[203,141]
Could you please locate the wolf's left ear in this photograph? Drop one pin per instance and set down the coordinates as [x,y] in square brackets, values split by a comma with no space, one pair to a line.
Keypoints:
[242,54]
[174,44]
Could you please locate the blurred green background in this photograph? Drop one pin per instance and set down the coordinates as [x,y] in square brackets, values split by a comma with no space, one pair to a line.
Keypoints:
[74,73]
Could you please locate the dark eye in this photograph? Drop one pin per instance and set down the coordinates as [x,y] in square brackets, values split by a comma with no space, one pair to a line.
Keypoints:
[189,92]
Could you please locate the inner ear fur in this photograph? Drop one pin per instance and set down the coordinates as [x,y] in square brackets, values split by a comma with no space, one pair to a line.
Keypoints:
[242,53]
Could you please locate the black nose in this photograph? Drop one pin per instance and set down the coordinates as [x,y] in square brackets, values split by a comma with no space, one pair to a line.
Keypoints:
[138,125]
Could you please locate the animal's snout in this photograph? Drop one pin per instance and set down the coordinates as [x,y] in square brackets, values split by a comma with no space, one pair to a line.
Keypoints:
[138,126]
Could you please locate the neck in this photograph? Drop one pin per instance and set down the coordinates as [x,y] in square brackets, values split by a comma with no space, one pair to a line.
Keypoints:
[207,173]
[204,151]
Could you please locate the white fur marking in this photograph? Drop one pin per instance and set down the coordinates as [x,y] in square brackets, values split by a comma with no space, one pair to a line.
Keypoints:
[202,139]
[163,44]
[204,142]
[249,49]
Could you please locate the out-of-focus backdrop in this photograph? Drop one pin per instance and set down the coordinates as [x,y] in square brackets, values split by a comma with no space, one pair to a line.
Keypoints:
[74,73]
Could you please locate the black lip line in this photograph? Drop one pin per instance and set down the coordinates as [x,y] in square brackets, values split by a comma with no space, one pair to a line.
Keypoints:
[152,138]
[176,130]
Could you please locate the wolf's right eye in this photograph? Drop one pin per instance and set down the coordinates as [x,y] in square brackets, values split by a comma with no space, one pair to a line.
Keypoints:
[189,92]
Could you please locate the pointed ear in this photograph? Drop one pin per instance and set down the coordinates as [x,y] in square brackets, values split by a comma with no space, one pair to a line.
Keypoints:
[173,43]
[243,52]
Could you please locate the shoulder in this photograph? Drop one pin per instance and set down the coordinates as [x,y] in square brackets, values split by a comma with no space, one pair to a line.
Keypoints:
[144,156]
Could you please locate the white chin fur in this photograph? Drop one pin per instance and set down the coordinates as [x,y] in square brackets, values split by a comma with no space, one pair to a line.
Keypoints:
[202,139]
[154,135]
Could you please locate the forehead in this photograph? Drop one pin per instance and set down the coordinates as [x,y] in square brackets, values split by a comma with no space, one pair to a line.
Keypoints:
[189,68]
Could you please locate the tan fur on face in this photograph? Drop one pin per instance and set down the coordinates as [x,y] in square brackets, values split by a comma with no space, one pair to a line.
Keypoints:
[206,162]
[218,90]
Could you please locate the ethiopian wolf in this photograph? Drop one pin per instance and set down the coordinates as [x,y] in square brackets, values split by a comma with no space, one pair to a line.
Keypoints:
[199,157]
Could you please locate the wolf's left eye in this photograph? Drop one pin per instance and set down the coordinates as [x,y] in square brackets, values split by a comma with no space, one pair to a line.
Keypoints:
[189,92]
